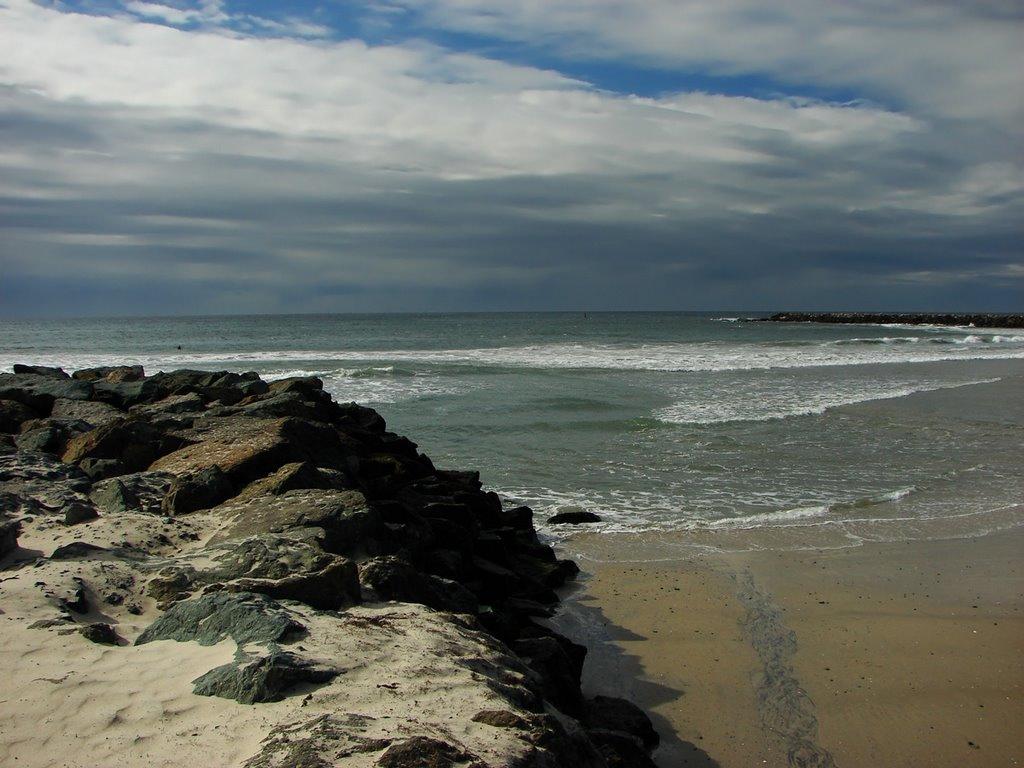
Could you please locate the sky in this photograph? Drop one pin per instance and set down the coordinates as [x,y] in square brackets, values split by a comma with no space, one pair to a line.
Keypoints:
[224,156]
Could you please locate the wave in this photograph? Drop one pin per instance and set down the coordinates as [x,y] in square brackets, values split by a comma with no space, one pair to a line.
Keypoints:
[661,357]
[790,403]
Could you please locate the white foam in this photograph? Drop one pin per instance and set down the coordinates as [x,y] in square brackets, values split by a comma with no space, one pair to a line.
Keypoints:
[765,404]
[669,357]
[771,518]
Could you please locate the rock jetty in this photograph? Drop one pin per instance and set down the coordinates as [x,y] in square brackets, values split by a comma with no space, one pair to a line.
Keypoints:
[978,320]
[208,568]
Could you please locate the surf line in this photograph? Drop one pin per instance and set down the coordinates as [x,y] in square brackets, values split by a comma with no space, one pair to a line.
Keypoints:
[786,708]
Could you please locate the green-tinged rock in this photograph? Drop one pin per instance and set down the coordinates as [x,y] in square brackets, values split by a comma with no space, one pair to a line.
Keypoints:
[242,616]
[265,678]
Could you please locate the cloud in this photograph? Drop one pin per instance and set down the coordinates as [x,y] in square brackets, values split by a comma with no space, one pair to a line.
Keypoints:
[933,56]
[209,169]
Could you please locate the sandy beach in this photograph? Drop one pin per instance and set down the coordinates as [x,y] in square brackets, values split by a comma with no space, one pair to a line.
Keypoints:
[887,654]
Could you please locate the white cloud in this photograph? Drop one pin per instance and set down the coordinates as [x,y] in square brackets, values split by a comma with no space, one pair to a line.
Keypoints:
[937,57]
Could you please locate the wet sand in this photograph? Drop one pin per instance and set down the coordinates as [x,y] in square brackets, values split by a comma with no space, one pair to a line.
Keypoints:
[895,654]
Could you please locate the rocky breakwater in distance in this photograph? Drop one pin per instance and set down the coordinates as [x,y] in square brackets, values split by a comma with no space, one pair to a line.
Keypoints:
[978,320]
[368,609]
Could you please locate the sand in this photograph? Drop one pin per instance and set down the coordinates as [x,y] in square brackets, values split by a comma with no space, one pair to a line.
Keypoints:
[886,654]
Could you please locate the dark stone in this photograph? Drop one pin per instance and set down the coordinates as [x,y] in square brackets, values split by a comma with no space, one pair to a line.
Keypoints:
[265,678]
[9,530]
[425,752]
[291,477]
[197,490]
[501,718]
[48,439]
[616,714]
[39,392]
[77,550]
[89,412]
[310,386]
[244,617]
[391,578]
[559,674]
[978,320]
[137,492]
[620,749]
[281,567]
[306,743]
[116,373]
[134,442]
[573,517]
[79,512]
[350,526]
[103,634]
[98,469]
[41,370]
[13,414]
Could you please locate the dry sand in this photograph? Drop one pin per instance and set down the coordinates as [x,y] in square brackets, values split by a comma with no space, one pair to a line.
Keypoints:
[895,654]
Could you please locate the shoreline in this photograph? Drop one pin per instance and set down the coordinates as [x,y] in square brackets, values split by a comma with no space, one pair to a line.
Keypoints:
[895,654]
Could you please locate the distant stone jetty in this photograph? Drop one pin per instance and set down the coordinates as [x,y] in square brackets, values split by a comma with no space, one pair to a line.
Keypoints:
[978,320]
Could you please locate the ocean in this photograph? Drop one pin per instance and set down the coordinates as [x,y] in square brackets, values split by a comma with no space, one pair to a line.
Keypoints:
[696,429]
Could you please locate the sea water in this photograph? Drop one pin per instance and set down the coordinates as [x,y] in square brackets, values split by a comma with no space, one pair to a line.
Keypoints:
[667,423]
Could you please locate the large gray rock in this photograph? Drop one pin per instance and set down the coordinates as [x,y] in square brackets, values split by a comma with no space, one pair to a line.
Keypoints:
[281,567]
[111,373]
[93,413]
[9,530]
[41,370]
[135,443]
[202,489]
[614,714]
[39,392]
[139,492]
[244,617]
[13,414]
[391,578]
[350,526]
[247,449]
[251,680]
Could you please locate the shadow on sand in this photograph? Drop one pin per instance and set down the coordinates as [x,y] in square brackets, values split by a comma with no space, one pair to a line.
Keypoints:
[610,671]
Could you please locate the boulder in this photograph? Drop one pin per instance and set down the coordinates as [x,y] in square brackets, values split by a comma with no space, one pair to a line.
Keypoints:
[39,392]
[426,752]
[295,476]
[310,386]
[90,412]
[99,469]
[244,617]
[573,516]
[349,525]
[44,439]
[41,370]
[615,714]
[247,449]
[113,374]
[101,633]
[138,492]
[135,443]
[558,672]
[202,489]
[281,567]
[9,530]
[13,414]
[391,578]
[620,749]
[263,678]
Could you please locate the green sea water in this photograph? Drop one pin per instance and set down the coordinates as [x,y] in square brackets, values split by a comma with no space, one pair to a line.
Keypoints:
[659,422]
